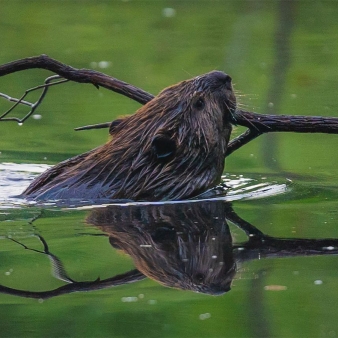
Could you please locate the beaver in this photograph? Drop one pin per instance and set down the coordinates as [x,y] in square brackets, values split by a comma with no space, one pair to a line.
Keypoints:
[178,245]
[172,148]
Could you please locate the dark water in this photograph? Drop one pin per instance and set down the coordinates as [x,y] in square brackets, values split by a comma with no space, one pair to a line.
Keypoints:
[132,270]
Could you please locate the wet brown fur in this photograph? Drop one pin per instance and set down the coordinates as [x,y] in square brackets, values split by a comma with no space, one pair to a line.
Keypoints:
[191,119]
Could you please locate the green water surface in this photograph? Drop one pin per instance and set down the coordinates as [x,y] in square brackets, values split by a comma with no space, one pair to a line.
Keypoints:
[282,57]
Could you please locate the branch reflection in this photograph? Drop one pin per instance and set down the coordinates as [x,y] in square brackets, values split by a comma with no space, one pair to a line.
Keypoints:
[182,245]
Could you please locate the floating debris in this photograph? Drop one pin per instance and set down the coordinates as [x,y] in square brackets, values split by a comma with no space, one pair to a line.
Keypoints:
[275,288]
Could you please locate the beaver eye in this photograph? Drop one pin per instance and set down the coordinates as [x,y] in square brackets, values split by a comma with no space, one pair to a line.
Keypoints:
[199,103]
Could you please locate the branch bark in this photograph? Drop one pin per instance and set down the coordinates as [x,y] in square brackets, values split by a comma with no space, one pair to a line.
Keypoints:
[257,124]
[77,75]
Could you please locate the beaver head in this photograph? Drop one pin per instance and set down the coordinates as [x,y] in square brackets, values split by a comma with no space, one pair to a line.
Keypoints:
[172,148]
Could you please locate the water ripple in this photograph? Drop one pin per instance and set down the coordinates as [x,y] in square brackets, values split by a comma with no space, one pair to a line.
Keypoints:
[14,178]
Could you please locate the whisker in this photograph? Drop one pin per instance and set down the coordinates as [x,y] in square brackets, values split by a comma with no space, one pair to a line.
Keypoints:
[232,112]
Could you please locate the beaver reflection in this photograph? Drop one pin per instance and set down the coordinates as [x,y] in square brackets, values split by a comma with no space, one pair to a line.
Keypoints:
[181,245]
[186,246]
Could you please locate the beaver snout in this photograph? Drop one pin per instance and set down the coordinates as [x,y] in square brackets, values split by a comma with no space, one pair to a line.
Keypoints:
[218,79]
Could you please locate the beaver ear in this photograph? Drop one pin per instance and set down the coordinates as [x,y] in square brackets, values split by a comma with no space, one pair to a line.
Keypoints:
[113,126]
[163,146]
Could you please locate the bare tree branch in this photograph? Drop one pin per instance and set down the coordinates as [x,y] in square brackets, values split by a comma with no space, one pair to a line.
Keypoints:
[257,124]
[77,75]
[242,139]
[264,123]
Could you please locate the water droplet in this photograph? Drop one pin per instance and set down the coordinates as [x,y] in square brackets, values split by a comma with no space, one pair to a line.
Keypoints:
[318,282]
[104,64]
[37,117]
[20,124]
[168,12]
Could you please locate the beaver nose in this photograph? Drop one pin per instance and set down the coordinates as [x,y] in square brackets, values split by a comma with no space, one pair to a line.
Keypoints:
[222,78]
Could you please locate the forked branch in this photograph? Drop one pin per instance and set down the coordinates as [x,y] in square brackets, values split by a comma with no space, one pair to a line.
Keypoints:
[50,81]
[257,124]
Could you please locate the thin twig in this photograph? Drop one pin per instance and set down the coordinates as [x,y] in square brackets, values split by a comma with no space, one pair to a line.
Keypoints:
[242,139]
[48,83]
[94,126]
[13,99]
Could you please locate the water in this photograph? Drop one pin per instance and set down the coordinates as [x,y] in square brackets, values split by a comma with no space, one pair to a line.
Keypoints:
[69,270]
